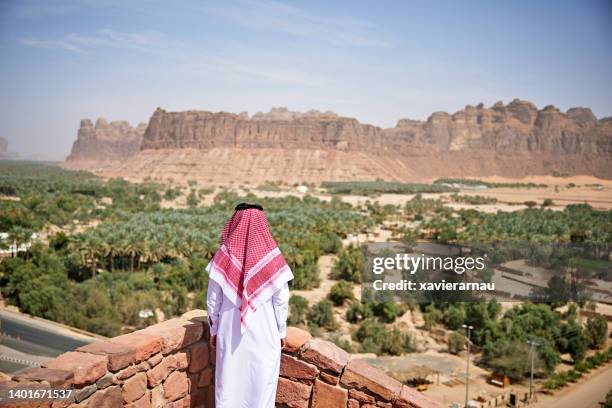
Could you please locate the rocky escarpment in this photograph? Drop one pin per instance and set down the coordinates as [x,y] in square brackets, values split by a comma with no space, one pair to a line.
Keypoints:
[4,152]
[106,141]
[509,140]
[277,129]
[516,127]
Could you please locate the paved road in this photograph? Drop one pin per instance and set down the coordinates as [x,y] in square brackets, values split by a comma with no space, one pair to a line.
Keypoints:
[22,336]
[583,395]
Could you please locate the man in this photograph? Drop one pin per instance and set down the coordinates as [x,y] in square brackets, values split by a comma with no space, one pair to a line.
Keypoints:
[248,297]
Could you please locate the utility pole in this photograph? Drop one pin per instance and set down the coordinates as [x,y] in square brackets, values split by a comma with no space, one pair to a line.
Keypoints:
[468,330]
[532,345]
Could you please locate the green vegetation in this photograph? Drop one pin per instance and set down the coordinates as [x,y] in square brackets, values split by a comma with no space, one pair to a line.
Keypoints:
[561,379]
[374,337]
[349,265]
[473,199]
[113,251]
[341,292]
[322,315]
[382,187]
[476,183]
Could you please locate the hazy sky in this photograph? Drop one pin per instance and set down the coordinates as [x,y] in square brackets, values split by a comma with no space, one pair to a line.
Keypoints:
[378,61]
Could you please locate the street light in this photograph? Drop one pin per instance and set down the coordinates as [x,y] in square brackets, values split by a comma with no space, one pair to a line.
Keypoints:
[468,330]
[532,345]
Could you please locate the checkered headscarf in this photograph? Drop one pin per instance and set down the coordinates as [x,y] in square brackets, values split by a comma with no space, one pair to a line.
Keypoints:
[248,265]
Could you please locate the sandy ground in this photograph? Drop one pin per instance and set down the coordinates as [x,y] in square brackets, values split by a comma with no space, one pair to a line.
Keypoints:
[447,375]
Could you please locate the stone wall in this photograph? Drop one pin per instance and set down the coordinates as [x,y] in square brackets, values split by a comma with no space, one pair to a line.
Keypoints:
[170,365]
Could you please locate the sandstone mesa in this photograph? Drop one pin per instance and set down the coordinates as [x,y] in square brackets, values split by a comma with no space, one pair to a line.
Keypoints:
[512,140]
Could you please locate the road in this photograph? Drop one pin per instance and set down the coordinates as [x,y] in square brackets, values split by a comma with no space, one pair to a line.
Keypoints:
[24,338]
[583,395]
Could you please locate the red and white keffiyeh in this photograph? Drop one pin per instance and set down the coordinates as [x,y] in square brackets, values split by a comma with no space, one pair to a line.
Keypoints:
[248,265]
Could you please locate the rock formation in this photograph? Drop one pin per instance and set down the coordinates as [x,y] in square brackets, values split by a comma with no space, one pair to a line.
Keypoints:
[512,140]
[114,141]
[4,152]
[516,127]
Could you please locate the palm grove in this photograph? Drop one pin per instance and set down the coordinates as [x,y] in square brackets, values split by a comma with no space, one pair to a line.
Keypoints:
[110,250]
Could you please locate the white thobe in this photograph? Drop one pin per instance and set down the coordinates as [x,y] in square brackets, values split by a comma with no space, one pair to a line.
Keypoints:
[247,365]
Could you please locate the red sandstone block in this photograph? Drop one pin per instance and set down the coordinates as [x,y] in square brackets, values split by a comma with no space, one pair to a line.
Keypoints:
[175,333]
[119,355]
[153,361]
[157,396]
[353,404]
[55,378]
[295,339]
[328,396]
[325,355]
[145,344]
[107,398]
[176,386]
[210,396]
[410,398]
[200,316]
[168,364]
[198,397]
[198,357]
[329,378]
[142,402]
[359,374]
[362,396]
[293,368]
[292,393]
[24,403]
[206,377]
[134,388]
[184,402]
[131,370]
[87,368]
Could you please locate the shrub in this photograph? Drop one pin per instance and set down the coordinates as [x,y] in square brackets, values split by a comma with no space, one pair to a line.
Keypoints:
[454,317]
[322,315]
[456,343]
[340,292]
[375,338]
[349,264]
[358,312]
[298,308]
[596,331]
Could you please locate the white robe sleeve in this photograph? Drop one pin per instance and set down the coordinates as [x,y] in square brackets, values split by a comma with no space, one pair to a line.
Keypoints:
[214,299]
[280,301]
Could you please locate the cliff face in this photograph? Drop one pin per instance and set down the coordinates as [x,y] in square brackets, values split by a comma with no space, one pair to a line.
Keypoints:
[513,140]
[105,141]
[286,130]
[3,146]
[516,127]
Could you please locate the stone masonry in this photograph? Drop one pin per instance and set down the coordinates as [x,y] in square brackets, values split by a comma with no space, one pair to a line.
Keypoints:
[170,365]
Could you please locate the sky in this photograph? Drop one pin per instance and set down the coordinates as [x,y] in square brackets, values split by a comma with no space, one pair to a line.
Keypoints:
[378,61]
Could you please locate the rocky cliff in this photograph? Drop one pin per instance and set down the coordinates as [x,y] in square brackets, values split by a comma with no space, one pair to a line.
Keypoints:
[4,152]
[106,141]
[513,140]
[516,127]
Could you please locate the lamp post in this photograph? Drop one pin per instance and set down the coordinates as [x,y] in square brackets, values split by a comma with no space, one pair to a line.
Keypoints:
[532,345]
[468,330]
